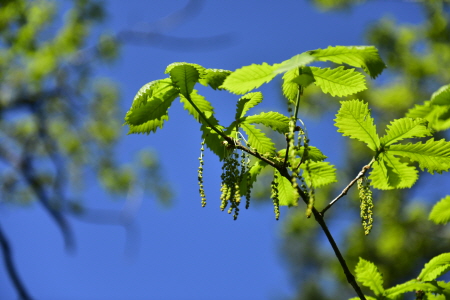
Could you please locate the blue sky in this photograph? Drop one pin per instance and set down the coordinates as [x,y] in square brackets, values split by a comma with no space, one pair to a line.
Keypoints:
[186,251]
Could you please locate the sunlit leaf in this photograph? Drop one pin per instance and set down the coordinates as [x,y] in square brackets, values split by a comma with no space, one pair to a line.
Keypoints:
[365,57]
[299,60]
[321,173]
[214,78]
[389,173]
[287,195]
[440,214]
[202,104]
[289,87]
[184,76]
[258,139]
[246,102]
[339,81]
[431,155]
[405,128]
[367,273]
[274,120]
[441,96]
[413,286]
[354,120]
[247,78]
[150,106]
[436,267]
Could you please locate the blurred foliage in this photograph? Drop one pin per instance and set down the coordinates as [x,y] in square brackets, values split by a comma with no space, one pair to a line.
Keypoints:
[59,122]
[402,239]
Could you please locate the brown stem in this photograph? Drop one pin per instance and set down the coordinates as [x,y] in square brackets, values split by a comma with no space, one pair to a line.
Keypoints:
[347,188]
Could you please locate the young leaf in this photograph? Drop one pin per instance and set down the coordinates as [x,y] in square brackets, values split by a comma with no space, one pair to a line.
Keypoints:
[389,173]
[367,273]
[413,286]
[354,120]
[441,96]
[440,214]
[290,88]
[405,128]
[299,60]
[274,120]
[246,102]
[200,102]
[214,78]
[436,115]
[248,78]
[436,267]
[313,153]
[150,106]
[321,173]
[184,76]
[433,155]
[258,139]
[365,57]
[338,82]
[287,195]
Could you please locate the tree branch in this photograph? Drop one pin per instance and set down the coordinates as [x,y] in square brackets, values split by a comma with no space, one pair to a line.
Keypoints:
[11,268]
[347,188]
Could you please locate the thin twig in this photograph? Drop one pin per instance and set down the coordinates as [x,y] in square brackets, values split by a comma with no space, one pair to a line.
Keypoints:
[347,188]
[11,268]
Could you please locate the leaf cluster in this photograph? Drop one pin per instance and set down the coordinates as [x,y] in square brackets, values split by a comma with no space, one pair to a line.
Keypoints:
[425,284]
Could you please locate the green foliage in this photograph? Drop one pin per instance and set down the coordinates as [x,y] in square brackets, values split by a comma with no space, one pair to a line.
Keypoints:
[300,170]
[368,274]
[436,110]
[354,120]
[365,57]
[337,82]
[440,214]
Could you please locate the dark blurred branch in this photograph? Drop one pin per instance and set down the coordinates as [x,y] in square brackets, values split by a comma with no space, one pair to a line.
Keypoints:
[11,269]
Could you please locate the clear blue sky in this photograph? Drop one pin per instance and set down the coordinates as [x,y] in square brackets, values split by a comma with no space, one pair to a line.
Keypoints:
[185,251]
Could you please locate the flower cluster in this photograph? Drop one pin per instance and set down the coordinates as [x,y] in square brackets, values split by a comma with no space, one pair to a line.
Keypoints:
[366,199]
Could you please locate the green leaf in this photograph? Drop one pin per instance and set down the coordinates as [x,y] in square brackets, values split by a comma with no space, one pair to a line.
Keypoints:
[290,88]
[254,171]
[367,273]
[440,214]
[150,106]
[437,115]
[184,76]
[258,139]
[246,102]
[389,173]
[441,96]
[212,139]
[413,286]
[436,267]
[354,120]
[432,155]
[274,120]
[214,78]
[321,173]
[248,78]
[365,57]
[313,154]
[200,102]
[339,81]
[405,128]
[299,60]
[287,194]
